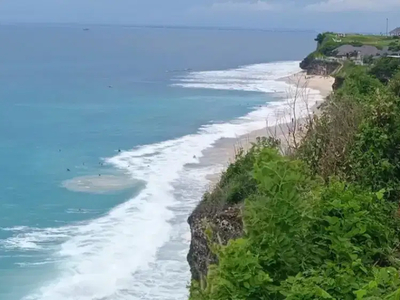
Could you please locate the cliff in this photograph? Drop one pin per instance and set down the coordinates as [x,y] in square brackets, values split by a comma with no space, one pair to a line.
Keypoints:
[220,212]
[320,223]
[319,67]
[225,223]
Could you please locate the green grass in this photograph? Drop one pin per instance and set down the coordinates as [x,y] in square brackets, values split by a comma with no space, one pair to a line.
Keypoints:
[347,67]
[329,44]
[350,39]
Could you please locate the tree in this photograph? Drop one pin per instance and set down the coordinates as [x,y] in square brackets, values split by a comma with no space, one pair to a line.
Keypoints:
[320,37]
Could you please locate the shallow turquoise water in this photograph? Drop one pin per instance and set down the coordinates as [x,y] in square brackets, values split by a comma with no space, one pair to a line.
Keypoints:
[69,99]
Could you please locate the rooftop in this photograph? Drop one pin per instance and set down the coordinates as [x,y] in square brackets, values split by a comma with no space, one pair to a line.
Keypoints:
[395,31]
[364,50]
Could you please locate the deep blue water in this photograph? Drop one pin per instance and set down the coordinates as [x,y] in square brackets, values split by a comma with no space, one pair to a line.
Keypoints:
[70,98]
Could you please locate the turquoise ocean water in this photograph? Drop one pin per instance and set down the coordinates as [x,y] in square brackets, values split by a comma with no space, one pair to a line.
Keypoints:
[83,111]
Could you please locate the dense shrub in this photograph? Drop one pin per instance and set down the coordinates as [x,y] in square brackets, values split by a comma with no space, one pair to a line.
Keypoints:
[385,68]
[237,182]
[356,43]
[330,148]
[326,147]
[368,59]
[324,226]
[328,49]
[394,84]
[320,38]
[375,158]
[359,82]
[394,48]
[305,240]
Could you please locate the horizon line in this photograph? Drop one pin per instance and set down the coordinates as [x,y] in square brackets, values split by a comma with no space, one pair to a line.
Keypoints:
[156,26]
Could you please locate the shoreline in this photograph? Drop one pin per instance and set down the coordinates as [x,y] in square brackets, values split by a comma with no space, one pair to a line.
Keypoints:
[309,91]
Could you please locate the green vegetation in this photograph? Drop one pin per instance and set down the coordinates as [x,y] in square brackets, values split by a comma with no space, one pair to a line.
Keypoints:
[322,223]
[328,42]
[237,182]
[331,41]
[385,68]
[394,46]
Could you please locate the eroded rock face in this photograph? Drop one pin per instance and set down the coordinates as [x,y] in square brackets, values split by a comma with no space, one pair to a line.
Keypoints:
[226,223]
[320,68]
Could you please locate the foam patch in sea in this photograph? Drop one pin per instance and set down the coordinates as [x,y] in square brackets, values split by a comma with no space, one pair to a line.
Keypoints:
[138,249]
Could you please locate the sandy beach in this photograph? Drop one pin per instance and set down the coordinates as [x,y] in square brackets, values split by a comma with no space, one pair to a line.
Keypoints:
[306,93]
[323,84]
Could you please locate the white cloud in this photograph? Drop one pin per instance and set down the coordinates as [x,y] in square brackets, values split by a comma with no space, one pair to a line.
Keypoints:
[354,5]
[257,5]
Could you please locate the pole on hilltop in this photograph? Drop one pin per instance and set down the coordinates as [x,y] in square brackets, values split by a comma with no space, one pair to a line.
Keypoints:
[387,26]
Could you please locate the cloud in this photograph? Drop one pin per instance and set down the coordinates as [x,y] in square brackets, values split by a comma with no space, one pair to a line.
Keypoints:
[354,5]
[257,5]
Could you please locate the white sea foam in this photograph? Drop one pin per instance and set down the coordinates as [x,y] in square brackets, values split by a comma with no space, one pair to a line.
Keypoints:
[138,250]
[256,78]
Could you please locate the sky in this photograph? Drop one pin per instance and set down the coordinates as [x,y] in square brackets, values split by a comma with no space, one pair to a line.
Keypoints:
[320,15]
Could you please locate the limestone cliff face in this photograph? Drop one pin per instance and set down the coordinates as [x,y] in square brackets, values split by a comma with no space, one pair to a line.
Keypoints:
[225,222]
[319,67]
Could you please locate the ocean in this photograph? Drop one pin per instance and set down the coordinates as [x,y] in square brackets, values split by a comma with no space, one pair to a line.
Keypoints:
[101,136]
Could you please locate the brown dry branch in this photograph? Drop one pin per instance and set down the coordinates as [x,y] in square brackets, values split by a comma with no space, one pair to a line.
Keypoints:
[293,130]
[328,141]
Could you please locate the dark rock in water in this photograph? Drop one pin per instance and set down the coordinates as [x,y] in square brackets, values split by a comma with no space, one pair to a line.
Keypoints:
[226,223]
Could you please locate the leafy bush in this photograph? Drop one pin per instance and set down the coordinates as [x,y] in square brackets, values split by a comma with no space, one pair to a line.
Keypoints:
[320,38]
[394,84]
[325,226]
[375,158]
[356,43]
[328,48]
[359,83]
[354,237]
[237,182]
[305,240]
[368,59]
[329,144]
[394,46]
[385,68]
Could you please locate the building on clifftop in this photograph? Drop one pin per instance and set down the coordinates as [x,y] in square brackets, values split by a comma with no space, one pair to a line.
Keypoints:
[395,32]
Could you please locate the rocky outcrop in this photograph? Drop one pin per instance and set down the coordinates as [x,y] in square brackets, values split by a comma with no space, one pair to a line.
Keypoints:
[319,67]
[225,224]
